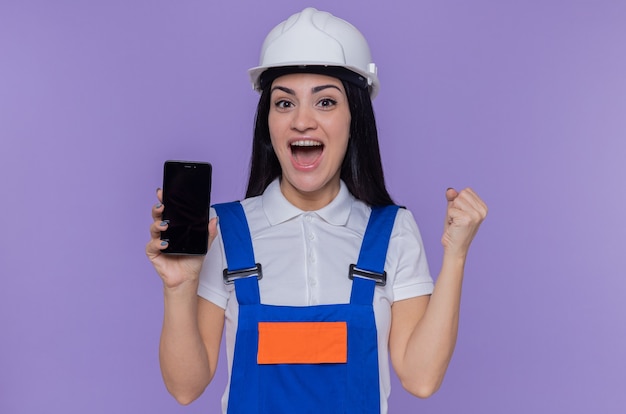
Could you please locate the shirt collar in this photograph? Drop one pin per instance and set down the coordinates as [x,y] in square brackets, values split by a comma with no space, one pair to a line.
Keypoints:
[278,209]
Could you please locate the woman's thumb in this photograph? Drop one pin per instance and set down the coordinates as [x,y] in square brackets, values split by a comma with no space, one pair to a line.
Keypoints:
[451,194]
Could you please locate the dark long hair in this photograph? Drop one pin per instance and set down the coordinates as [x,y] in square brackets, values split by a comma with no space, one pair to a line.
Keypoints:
[361,169]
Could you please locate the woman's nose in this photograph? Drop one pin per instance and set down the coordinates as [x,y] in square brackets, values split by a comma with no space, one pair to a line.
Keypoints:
[303,119]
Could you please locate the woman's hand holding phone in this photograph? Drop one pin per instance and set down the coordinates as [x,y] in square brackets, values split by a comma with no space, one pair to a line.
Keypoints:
[174,270]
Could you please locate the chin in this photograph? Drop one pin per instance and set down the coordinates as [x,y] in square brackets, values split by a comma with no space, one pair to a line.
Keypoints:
[315,185]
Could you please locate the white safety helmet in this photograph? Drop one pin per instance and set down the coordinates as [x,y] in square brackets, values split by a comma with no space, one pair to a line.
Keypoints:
[312,39]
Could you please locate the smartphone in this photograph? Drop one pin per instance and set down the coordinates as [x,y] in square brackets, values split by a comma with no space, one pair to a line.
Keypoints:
[186,201]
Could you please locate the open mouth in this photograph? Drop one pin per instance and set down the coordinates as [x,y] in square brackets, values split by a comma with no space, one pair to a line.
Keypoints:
[306,152]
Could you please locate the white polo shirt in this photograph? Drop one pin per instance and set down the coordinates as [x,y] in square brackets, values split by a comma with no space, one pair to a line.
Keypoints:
[305,257]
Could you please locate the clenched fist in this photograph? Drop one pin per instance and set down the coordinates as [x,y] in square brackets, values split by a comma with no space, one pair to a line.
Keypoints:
[465,212]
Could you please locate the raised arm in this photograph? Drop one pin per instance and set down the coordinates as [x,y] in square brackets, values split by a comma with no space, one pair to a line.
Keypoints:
[424,329]
[192,326]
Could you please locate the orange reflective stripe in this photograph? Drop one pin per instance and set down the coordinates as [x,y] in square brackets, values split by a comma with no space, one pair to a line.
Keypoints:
[302,342]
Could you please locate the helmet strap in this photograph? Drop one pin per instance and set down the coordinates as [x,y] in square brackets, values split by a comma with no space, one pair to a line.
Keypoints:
[339,72]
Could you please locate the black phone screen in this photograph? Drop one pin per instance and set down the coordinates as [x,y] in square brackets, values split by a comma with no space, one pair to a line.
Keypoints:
[186,200]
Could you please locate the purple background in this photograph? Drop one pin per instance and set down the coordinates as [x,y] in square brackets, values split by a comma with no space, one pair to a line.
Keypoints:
[524,101]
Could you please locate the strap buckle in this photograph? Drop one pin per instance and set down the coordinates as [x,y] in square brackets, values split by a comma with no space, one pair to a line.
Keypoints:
[231,275]
[379,278]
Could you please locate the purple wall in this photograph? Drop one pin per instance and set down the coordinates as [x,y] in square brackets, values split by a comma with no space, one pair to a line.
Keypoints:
[523,101]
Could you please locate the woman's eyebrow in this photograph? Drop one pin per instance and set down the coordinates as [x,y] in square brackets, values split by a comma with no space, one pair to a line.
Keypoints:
[284,89]
[315,89]
[322,87]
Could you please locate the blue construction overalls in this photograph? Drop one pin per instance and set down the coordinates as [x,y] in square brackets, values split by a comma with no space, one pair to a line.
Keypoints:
[333,366]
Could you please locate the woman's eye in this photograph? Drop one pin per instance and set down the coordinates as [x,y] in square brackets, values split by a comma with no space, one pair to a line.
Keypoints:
[327,102]
[282,104]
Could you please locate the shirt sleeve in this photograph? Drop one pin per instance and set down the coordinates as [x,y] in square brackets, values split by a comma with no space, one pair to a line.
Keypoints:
[211,286]
[408,259]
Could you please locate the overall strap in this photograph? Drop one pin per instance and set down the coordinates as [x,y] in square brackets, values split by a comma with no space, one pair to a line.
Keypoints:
[239,252]
[370,267]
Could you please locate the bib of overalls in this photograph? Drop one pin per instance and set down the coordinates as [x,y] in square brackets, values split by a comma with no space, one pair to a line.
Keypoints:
[304,359]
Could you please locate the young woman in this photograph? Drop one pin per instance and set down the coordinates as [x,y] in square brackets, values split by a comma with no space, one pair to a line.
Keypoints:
[317,275]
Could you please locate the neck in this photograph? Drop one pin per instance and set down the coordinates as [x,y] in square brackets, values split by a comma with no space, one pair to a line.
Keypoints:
[310,200]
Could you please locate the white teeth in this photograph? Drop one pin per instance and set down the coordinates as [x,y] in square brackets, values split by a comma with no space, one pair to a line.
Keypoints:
[306,143]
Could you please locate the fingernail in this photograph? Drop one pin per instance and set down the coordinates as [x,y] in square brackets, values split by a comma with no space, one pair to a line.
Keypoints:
[164,223]
[158,205]
[449,188]
[158,188]
[163,243]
